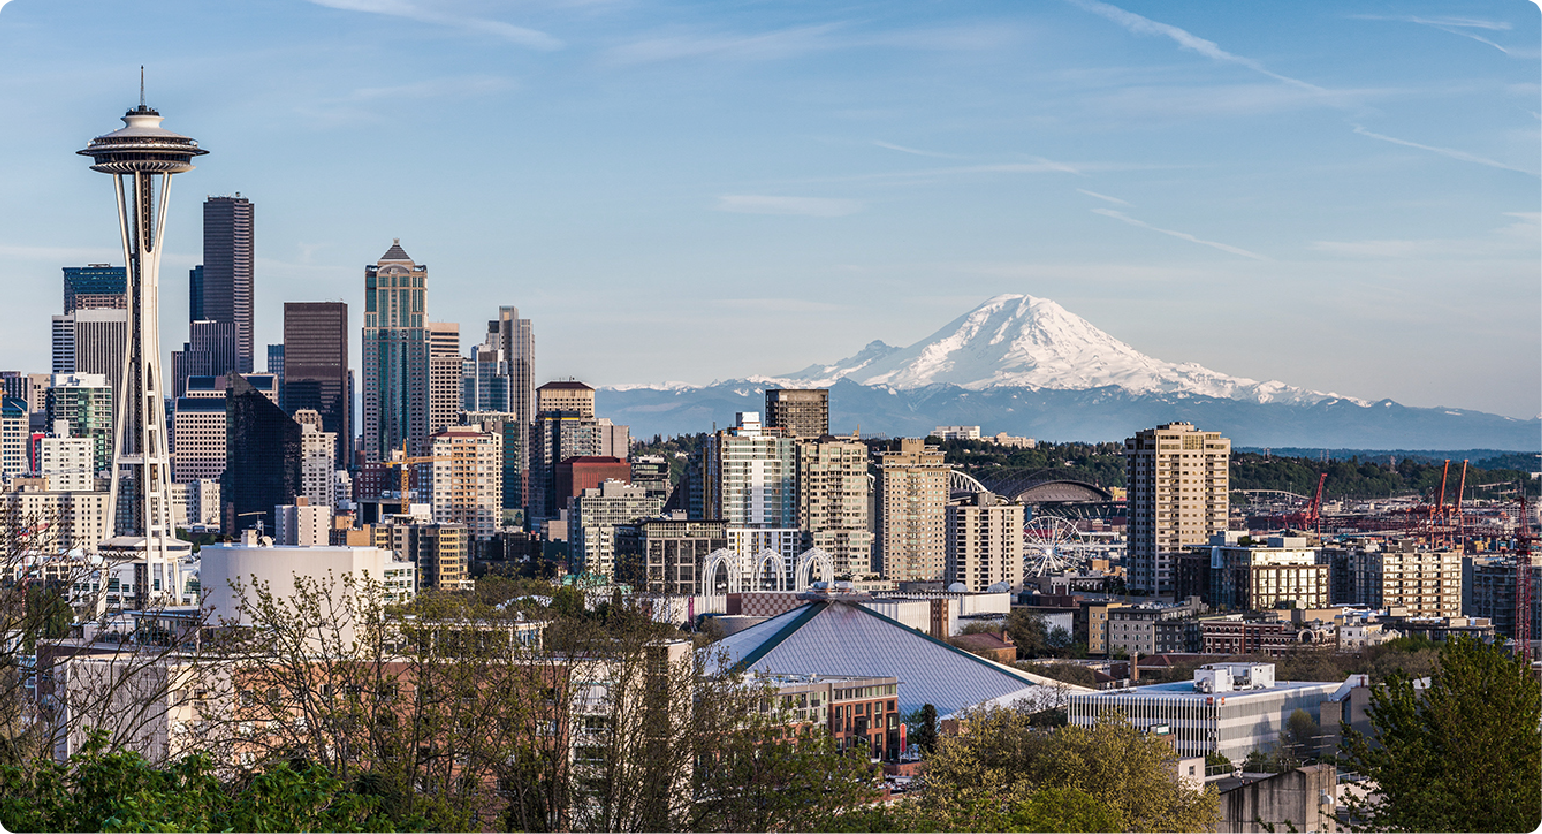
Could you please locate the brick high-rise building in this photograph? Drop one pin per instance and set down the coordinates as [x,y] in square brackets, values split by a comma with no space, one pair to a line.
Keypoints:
[803,412]
[395,355]
[315,369]
[911,503]
[1177,478]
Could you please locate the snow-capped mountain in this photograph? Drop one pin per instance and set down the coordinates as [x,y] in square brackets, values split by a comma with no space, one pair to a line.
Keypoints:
[1020,341]
[1027,366]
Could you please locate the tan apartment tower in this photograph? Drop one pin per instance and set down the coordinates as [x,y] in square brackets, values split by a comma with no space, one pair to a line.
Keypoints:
[833,487]
[444,375]
[1177,478]
[565,395]
[912,499]
[984,541]
[803,412]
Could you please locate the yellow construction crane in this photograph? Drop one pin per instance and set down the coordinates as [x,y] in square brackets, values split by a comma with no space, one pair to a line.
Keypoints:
[405,463]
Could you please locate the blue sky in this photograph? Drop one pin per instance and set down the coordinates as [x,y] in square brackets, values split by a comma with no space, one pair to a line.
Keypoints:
[1340,195]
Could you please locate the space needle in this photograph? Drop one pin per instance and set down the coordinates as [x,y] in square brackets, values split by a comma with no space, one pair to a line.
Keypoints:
[141,157]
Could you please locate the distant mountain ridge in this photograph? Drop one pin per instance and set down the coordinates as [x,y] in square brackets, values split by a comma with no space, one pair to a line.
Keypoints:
[1028,367]
[1020,341]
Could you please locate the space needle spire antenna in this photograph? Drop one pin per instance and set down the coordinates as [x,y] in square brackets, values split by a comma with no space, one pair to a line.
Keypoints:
[141,157]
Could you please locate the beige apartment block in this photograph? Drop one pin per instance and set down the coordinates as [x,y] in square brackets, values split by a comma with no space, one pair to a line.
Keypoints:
[565,395]
[833,487]
[912,499]
[1177,477]
[467,479]
[985,542]
[444,375]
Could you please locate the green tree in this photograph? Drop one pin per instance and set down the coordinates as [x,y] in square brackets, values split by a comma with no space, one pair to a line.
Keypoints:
[120,791]
[1029,632]
[1299,739]
[1000,760]
[1464,755]
[925,735]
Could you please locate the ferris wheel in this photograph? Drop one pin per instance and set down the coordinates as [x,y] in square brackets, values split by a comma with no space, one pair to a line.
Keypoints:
[1050,544]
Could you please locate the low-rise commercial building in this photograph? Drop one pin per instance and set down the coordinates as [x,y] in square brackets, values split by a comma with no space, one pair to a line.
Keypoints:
[1228,708]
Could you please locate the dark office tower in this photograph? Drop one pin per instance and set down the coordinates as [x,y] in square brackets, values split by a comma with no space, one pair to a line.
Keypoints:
[395,355]
[517,339]
[803,411]
[262,458]
[94,287]
[276,368]
[210,346]
[227,271]
[195,293]
[314,356]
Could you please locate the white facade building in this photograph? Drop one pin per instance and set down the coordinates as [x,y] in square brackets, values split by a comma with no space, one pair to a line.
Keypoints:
[318,465]
[1228,708]
[592,522]
[279,567]
[69,463]
[751,476]
[302,524]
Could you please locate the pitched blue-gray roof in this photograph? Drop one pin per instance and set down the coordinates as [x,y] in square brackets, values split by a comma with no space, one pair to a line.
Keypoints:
[840,638]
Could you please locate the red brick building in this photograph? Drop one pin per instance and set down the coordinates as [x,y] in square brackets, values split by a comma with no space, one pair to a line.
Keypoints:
[576,474]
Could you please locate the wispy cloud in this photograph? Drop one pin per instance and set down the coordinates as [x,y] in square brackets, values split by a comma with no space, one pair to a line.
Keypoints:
[807,206]
[1122,217]
[1115,200]
[769,46]
[1145,26]
[1453,25]
[902,149]
[1041,166]
[1518,238]
[1454,154]
[532,38]
[1444,20]
[456,87]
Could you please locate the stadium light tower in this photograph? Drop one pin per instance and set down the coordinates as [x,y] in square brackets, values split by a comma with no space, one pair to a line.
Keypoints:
[141,157]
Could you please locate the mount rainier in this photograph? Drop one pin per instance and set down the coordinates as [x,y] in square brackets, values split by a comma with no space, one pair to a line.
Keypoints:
[1028,366]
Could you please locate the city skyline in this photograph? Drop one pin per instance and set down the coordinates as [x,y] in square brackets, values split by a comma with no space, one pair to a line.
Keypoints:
[800,181]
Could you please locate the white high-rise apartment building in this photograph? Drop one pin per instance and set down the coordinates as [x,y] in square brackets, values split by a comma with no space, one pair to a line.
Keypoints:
[318,463]
[751,474]
[1177,477]
[13,436]
[467,480]
[68,462]
[985,542]
[302,524]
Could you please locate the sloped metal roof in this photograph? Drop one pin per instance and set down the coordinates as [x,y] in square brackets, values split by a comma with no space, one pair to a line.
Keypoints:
[841,638]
